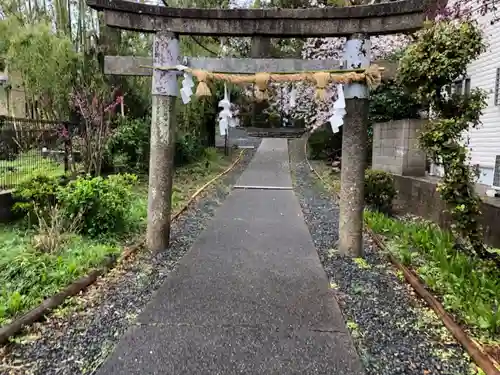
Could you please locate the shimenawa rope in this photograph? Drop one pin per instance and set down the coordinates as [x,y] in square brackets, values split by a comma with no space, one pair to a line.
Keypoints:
[371,76]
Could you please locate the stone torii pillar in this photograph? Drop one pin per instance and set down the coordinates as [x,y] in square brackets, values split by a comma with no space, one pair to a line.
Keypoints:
[354,145]
[163,124]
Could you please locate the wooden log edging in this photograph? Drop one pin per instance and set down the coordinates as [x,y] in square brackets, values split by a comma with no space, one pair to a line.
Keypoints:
[52,302]
[473,348]
[84,282]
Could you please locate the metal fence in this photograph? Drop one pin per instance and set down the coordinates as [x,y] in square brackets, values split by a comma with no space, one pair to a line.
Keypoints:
[33,147]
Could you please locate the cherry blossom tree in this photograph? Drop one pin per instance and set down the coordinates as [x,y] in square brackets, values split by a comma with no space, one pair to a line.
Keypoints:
[316,113]
[469,8]
[463,9]
[308,109]
[382,47]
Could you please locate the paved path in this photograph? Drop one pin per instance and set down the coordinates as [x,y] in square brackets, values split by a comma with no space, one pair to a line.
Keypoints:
[237,137]
[250,297]
[269,168]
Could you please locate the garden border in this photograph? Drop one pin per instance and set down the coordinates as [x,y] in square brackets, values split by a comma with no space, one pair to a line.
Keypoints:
[473,348]
[74,288]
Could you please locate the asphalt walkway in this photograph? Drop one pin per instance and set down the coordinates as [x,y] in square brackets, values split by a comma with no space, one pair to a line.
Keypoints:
[250,297]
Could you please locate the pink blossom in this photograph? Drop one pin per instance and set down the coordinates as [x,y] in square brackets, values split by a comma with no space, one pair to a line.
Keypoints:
[317,113]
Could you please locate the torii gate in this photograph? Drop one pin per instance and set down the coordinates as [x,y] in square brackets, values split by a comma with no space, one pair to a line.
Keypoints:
[356,23]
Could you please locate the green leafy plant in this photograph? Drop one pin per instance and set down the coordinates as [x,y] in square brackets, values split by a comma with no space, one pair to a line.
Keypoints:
[103,203]
[36,194]
[323,144]
[468,285]
[379,190]
[391,101]
[129,144]
[439,57]
[188,148]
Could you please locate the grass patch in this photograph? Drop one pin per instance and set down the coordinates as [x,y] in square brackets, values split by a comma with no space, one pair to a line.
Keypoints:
[26,166]
[28,276]
[328,175]
[189,179]
[468,287]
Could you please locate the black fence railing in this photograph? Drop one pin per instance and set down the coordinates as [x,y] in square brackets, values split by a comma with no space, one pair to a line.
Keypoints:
[33,147]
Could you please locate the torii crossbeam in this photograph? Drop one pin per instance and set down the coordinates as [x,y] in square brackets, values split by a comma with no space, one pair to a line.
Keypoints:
[137,66]
[357,23]
[377,19]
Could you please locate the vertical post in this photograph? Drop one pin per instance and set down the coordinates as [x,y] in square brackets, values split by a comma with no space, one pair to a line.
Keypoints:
[161,160]
[354,139]
[226,142]
[260,48]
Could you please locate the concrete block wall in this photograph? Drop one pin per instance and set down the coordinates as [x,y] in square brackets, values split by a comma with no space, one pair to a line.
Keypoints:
[13,101]
[418,196]
[395,147]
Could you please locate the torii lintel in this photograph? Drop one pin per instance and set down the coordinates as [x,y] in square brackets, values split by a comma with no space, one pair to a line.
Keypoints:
[376,19]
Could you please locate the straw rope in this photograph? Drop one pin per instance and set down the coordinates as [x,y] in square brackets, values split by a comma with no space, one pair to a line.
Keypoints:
[371,76]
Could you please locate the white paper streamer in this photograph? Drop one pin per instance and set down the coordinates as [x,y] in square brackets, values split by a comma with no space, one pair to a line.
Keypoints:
[186,95]
[187,88]
[181,67]
[226,118]
[339,111]
[293,98]
[223,125]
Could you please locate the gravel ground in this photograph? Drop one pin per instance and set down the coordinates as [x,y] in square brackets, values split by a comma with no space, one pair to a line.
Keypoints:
[76,339]
[393,331]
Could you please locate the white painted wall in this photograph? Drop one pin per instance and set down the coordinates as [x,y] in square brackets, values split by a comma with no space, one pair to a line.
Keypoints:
[484,142]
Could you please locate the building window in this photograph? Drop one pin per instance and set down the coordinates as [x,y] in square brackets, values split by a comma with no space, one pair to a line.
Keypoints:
[467,87]
[461,87]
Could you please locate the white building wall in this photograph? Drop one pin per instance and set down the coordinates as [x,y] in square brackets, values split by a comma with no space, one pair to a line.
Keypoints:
[484,142]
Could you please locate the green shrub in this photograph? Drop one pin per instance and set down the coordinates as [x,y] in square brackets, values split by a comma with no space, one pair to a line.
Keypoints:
[390,101]
[323,144]
[379,190]
[129,145]
[37,192]
[102,203]
[188,149]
